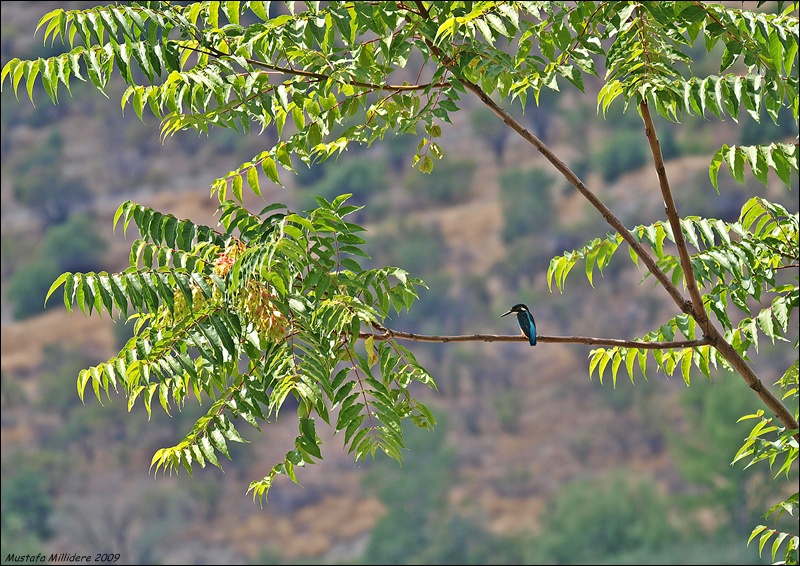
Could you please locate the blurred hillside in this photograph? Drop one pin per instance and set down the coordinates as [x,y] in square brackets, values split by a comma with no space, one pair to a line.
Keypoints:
[530,454]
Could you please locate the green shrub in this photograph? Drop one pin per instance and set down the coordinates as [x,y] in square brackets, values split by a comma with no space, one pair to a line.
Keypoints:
[667,140]
[28,287]
[58,369]
[527,201]
[400,152]
[16,538]
[411,246]
[421,526]
[363,176]
[27,499]
[39,182]
[766,131]
[508,407]
[491,129]
[625,151]
[306,176]
[420,250]
[74,246]
[594,518]
[712,409]
[725,549]
[450,182]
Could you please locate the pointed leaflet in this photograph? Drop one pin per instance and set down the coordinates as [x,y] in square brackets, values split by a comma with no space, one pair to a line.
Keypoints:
[56,284]
[207,449]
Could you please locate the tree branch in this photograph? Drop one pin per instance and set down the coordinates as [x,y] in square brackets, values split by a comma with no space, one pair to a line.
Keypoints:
[699,313]
[388,333]
[269,67]
[686,306]
[683,304]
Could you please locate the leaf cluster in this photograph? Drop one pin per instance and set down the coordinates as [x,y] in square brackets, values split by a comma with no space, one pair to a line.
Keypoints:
[269,308]
[735,263]
[303,73]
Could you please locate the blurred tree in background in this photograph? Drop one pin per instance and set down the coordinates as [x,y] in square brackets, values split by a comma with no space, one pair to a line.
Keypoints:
[420,526]
[75,245]
[39,182]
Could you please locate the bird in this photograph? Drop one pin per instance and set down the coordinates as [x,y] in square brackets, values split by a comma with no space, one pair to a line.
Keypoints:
[525,320]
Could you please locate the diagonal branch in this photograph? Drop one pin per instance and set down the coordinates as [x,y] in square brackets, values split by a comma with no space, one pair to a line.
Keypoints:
[699,312]
[685,305]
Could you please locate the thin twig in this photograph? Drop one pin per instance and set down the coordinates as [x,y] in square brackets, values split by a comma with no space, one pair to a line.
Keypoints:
[272,68]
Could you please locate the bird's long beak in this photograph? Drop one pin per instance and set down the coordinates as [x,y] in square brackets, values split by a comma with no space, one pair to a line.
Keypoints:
[504,314]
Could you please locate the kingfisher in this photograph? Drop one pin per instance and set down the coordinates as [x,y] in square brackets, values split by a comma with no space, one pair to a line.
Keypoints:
[525,320]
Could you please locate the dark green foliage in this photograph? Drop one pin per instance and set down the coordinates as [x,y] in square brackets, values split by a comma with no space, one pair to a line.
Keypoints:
[307,176]
[72,246]
[363,177]
[425,490]
[59,368]
[622,146]
[28,287]
[271,556]
[710,551]
[416,501]
[599,517]
[27,501]
[700,196]
[41,115]
[17,538]
[540,114]
[508,407]
[490,130]
[666,140]
[422,250]
[449,183]
[526,257]
[411,245]
[766,131]
[421,527]
[527,200]
[625,395]
[400,151]
[40,183]
[76,245]
[713,407]
[623,151]
[401,538]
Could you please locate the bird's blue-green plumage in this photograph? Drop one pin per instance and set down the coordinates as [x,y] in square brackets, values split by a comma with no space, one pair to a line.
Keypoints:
[525,320]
